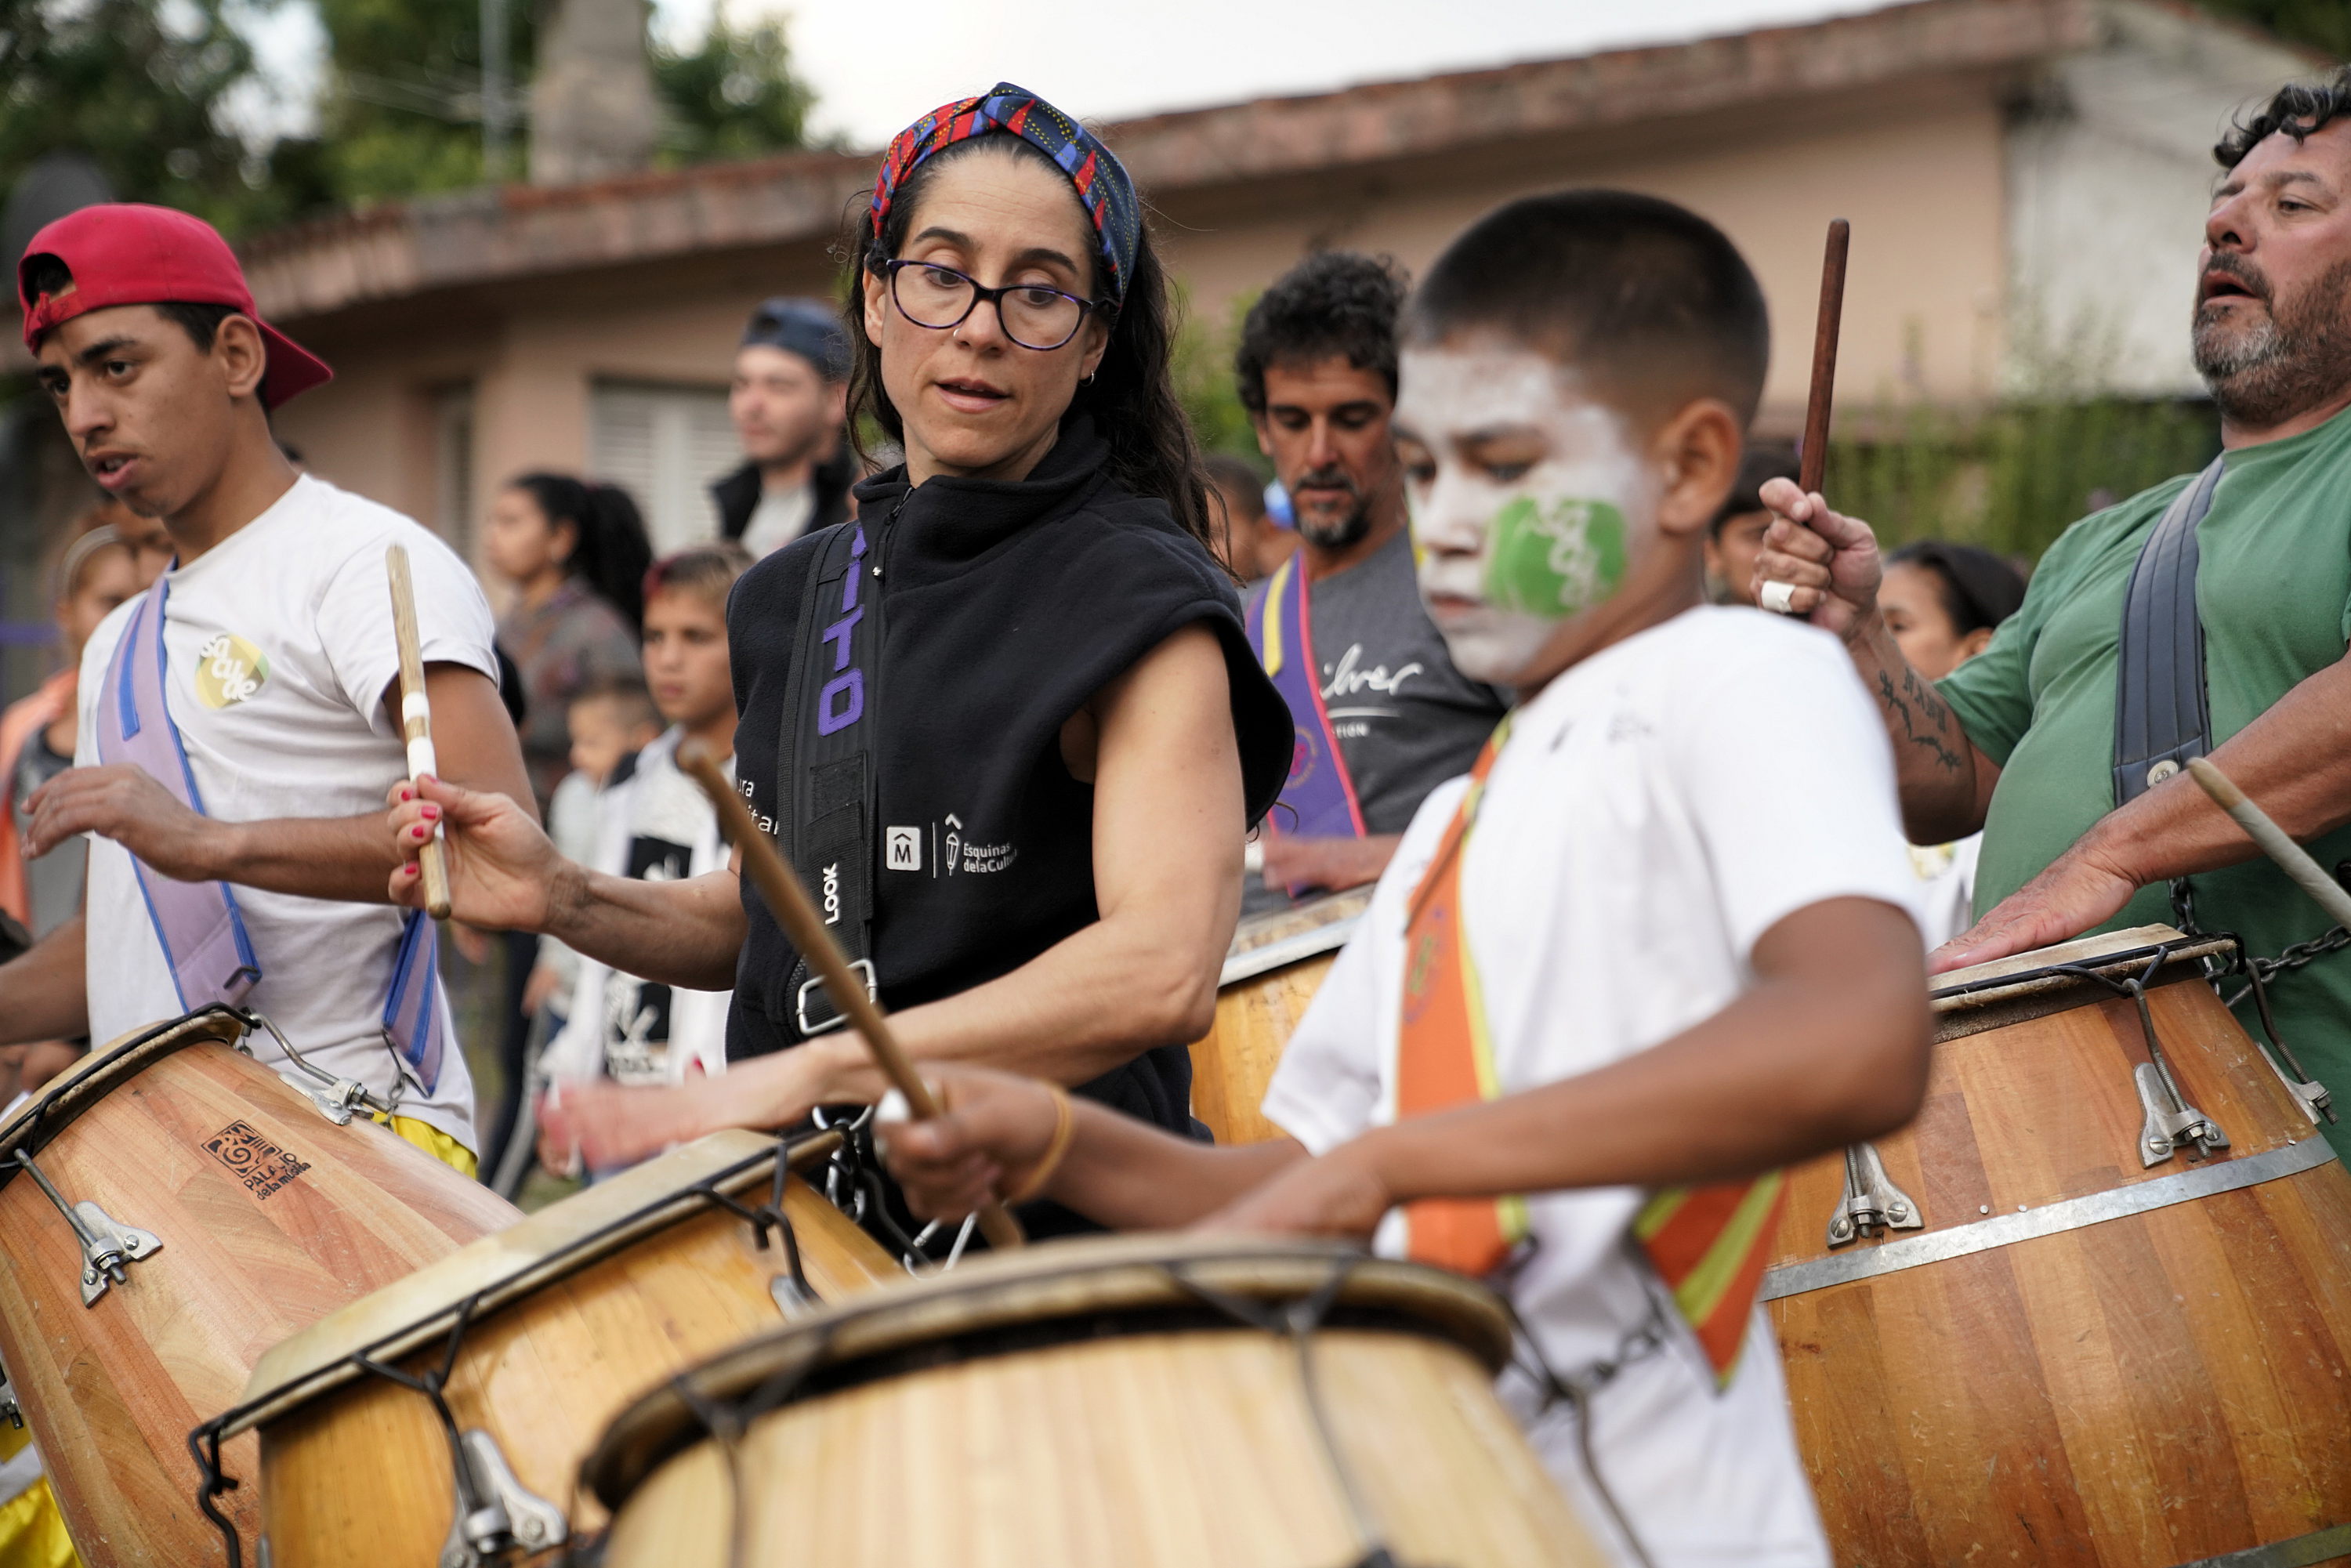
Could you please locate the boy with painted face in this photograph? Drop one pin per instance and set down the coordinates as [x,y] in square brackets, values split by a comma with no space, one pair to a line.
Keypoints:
[1655,948]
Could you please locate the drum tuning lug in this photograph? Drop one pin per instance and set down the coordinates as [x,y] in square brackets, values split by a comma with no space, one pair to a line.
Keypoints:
[1871,1202]
[107,1246]
[339,1104]
[2171,1122]
[495,1513]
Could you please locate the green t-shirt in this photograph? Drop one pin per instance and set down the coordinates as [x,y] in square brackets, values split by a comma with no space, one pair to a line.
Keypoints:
[2273,588]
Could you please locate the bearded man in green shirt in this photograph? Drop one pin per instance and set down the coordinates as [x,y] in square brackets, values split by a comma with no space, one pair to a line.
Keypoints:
[2020,741]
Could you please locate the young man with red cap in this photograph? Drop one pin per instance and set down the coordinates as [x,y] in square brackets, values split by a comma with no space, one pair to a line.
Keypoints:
[239,722]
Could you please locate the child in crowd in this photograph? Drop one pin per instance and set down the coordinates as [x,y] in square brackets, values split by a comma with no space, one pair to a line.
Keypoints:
[655,824]
[1248,541]
[1677,868]
[1735,537]
[610,720]
[1942,601]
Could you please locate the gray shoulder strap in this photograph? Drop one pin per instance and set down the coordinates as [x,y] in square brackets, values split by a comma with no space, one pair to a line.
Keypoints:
[2161,714]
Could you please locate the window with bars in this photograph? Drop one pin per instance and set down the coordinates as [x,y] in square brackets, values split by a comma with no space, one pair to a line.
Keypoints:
[664,445]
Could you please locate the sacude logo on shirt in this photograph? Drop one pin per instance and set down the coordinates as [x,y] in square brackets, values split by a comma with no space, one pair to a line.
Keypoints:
[229,669]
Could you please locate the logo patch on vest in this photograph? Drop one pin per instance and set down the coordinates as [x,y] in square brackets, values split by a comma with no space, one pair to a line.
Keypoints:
[260,1164]
[229,669]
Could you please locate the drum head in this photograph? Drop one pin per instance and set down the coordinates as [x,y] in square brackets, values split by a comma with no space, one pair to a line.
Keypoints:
[1084,1289]
[101,1072]
[2034,985]
[1280,937]
[561,1240]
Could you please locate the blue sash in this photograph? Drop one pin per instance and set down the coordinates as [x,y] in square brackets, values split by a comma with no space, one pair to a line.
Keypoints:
[202,931]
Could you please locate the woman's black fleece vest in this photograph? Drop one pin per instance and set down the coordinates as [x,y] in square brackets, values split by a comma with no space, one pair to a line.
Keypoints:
[1007,607]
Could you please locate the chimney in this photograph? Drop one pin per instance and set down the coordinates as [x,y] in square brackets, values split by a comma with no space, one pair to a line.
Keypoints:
[592,110]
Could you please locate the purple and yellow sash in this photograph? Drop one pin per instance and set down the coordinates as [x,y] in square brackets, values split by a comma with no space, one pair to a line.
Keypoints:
[202,931]
[1319,800]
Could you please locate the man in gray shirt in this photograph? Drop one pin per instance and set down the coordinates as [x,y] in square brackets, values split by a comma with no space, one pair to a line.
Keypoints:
[1317,367]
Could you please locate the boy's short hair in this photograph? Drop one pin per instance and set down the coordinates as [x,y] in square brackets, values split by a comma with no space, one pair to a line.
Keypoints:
[1336,304]
[631,703]
[707,569]
[1646,298]
[1230,473]
[1758,467]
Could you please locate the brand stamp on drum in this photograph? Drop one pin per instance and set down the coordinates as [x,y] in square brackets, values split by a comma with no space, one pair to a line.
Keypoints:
[262,1166]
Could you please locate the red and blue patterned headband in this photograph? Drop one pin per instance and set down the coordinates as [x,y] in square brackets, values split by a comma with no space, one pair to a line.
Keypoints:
[1094,172]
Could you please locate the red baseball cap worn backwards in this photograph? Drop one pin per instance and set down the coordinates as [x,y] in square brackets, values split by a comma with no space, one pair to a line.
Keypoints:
[125,253]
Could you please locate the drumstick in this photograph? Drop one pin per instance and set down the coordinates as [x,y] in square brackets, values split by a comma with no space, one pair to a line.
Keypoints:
[416,721]
[2291,857]
[789,901]
[1814,455]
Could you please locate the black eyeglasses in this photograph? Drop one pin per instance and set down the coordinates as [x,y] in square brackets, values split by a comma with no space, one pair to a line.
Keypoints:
[940,298]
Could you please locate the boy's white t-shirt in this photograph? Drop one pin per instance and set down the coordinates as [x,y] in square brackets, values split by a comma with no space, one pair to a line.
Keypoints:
[1658,808]
[279,649]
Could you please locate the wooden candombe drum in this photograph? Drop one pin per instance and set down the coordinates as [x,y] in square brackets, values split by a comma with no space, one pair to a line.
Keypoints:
[1272,970]
[215,1211]
[2058,1320]
[1147,1401]
[530,1340]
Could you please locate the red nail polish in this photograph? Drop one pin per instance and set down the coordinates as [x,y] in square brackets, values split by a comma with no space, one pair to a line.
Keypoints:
[430,811]
[418,834]
[407,793]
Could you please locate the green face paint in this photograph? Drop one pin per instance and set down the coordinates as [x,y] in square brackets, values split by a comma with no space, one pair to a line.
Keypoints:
[1555,560]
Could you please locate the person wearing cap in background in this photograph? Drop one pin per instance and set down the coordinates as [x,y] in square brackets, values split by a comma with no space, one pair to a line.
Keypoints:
[787,401]
[238,720]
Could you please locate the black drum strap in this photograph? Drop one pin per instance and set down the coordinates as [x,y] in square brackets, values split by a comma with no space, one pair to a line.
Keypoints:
[2162,717]
[825,762]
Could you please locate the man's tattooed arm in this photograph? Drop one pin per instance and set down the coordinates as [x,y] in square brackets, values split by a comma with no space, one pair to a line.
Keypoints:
[1928,727]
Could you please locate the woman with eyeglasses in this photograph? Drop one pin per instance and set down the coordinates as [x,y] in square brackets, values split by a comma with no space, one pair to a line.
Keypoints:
[1006,722]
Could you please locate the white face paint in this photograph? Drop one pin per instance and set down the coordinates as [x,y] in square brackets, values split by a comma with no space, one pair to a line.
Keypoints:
[1528,503]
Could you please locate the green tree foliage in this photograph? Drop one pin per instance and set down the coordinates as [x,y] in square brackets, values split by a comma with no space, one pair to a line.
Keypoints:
[2016,478]
[2322,24]
[731,96]
[1203,371]
[139,86]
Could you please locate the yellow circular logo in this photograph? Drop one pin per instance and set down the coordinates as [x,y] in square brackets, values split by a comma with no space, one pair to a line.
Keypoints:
[228,670]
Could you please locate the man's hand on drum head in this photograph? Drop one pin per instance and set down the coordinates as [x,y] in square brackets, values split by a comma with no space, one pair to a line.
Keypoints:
[2078,891]
[994,1128]
[503,872]
[600,1125]
[1817,563]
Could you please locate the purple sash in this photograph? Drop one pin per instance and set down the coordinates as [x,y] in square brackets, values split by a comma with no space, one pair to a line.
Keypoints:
[1319,800]
[201,932]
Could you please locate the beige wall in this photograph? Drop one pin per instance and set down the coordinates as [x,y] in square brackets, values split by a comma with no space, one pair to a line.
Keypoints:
[1922,182]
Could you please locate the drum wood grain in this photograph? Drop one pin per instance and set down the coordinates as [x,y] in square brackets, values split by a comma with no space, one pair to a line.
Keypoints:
[253,1250]
[2149,1390]
[543,1375]
[1257,1012]
[1159,1449]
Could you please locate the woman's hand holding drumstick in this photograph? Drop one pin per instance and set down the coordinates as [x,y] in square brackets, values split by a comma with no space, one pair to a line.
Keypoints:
[416,720]
[788,901]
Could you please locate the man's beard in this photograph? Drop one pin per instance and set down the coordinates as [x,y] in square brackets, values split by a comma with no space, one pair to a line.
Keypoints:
[2295,360]
[1338,533]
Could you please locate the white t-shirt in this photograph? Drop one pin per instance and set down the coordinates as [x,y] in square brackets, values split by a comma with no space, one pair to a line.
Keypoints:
[278,649]
[1658,808]
[1947,895]
[781,517]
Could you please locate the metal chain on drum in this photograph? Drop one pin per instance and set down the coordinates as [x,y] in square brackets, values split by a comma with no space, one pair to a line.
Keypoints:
[2258,972]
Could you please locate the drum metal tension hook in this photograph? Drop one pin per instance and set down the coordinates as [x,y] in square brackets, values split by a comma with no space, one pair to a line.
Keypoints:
[1871,1202]
[107,1246]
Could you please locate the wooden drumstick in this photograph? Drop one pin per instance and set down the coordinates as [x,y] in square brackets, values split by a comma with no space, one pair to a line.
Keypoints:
[1814,455]
[2291,857]
[789,901]
[416,721]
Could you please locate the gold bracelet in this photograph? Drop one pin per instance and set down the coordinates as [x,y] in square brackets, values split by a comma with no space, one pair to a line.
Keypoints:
[1065,1128]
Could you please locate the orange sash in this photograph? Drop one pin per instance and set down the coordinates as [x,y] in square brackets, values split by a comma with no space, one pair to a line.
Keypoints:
[1707,1243]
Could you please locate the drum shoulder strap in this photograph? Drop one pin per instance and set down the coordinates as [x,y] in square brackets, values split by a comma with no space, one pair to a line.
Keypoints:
[2162,715]
[825,765]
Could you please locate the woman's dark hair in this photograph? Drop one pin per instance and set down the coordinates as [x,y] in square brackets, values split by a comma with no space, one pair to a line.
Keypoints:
[1981,590]
[1757,467]
[1133,393]
[610,551]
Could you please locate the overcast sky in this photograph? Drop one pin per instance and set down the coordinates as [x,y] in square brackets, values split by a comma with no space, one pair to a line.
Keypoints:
[877,64]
